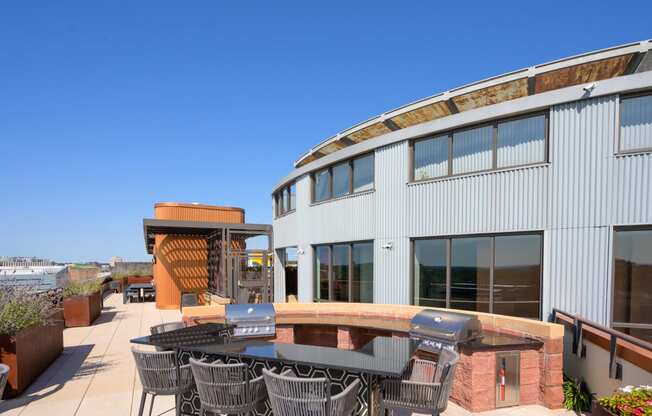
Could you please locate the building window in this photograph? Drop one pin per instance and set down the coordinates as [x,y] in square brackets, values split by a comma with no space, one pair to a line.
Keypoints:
[322,185]
[363,173]
[636,123]
[431,158]
[632,292]
[341,178]
[494,273]
[285,199]
[352,176]
[504,143]
[344,272]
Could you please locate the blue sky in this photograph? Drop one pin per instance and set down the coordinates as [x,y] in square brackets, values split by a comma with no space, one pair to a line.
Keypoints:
[108,107]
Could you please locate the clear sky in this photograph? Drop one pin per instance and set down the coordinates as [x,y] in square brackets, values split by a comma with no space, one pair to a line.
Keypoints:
[107,107]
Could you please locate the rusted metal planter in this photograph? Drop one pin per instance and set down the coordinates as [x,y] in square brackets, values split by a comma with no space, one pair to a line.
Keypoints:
[139,279]
[82,310]
[597,410]
[29,353]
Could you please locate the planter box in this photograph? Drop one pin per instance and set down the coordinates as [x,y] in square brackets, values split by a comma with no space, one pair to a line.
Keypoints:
[139,279]
[82,310]
[29,353]
[597,410]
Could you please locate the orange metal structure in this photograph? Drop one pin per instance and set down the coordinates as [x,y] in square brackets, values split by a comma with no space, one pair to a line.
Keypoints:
[181,260]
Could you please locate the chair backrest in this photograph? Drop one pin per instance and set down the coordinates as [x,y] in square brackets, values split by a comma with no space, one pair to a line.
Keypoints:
[446,366]
[221,386]
[293,396]
[166,327]
[4,374]
[157,370]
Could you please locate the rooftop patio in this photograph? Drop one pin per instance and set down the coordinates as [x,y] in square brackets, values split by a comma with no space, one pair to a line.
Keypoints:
[96,374]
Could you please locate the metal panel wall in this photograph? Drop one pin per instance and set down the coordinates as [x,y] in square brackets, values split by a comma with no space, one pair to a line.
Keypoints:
[576,198]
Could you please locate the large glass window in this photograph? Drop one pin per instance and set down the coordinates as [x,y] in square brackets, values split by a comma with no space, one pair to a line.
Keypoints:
[632,299]
[470,273]
[521,141]
[322,272]
[341,179]
[430,262]
[636,123]
[355,175]
[503,143]
[517,275]
[362,284]
[322,185]
[472,150]
[347,269]
[468,264]
[431,158]
[363,173]
[285,199]
[293,196]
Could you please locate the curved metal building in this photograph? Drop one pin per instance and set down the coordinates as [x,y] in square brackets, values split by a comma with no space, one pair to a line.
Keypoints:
[516,194]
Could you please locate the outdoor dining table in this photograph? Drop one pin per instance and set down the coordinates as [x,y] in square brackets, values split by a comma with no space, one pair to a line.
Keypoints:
[380,358]
[141,288]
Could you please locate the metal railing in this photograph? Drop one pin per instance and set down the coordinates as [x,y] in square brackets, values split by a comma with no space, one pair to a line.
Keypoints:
[579,348]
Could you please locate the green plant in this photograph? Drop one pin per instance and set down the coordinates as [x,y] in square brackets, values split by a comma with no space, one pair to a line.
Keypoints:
[577,396]
[21,307]
[629,401]
[86,287]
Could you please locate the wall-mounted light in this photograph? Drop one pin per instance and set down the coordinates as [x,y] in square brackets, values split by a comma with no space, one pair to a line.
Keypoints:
[387,246]
[300,251]
[588,88]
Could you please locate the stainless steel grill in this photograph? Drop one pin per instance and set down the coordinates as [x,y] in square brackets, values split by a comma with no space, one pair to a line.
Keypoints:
[437,329]
[251,319]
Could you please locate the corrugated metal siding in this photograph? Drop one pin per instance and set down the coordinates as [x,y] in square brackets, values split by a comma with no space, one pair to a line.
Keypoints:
[577,198]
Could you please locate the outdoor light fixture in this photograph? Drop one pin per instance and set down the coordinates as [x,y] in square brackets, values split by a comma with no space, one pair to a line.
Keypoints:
[387,246]
[300,251]
[588,88]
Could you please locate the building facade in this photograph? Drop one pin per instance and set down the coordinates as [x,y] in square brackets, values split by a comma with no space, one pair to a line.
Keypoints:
[514,195]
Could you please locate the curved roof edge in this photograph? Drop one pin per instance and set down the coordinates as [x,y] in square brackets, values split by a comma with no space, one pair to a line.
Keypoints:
[574,70]
[624,84]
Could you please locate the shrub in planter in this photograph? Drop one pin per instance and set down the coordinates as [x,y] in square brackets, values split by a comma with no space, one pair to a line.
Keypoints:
[31,337]
[577,396]
[82,302]
[629,401]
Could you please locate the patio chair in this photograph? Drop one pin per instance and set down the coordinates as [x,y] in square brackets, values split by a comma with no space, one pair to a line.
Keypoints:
[150,294]
[188,299]
[114,285]
[424,387]
[226,388]
[160,375]
[129,295]
[290,395]
[166,327]
[4,374]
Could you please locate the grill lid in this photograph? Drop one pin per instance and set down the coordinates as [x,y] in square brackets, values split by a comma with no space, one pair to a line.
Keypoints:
[249,313]
[445,327]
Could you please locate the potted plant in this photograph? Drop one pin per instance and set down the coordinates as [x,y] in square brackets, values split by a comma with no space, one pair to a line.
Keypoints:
[82,302]
[577,396]
[31,336]
[627,401]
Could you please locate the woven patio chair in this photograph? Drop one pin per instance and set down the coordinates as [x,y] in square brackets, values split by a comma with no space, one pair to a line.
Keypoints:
[160,376]
[424,387]
[166,327]
[4,374]
[226,388]
[290,395]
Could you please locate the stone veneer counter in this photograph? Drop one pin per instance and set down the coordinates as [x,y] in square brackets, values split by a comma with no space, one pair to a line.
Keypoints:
[348,325]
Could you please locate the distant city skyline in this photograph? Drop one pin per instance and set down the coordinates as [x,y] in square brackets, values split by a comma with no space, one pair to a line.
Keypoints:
[108,108]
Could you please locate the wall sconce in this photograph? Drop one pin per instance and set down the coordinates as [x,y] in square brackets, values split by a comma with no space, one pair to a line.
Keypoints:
[387,246]
[300,251]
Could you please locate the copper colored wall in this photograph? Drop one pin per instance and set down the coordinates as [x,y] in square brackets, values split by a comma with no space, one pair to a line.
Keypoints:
[181,261]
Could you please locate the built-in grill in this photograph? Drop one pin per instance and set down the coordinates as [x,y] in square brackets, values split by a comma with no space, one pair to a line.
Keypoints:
[251,319]
[437,329]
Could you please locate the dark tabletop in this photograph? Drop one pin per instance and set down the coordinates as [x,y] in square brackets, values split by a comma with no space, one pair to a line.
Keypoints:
[385,356]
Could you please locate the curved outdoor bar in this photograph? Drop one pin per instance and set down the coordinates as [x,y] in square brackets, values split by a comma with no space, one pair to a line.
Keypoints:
[345,342]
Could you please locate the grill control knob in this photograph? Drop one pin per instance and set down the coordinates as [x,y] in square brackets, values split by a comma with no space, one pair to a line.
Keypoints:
[256,329]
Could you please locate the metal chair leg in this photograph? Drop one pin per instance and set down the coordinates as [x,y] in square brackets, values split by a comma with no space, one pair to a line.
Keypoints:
[151,405]
[177,404]
[143,397]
